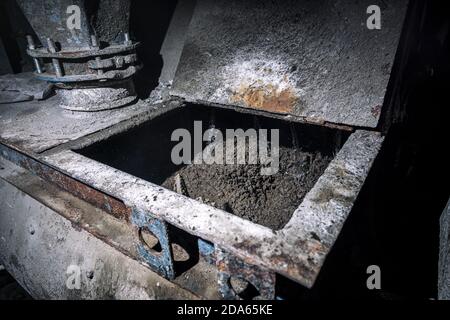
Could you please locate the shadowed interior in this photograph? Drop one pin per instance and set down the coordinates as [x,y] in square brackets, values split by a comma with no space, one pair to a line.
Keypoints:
[241,189]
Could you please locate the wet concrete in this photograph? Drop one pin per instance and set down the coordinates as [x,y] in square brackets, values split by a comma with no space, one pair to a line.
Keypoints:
[241,189]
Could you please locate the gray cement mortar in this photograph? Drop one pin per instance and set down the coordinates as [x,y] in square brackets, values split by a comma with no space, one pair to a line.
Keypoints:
[241,189]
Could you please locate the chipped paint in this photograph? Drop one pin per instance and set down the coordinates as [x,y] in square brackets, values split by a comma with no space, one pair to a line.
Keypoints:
[293,251]
[263,84]
[90,195]
[336,69]
[268,98]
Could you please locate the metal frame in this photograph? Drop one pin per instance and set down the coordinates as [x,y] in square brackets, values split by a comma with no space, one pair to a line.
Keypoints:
[297,251]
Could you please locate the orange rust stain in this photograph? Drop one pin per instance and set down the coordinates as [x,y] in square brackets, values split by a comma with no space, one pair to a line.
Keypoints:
[267,98]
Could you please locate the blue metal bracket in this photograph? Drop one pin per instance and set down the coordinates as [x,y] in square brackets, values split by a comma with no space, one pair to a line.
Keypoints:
[160,262]
[207,251]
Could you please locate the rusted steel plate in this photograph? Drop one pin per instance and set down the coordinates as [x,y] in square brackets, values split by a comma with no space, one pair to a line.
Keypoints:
[315,60]
[84,192]
[295,251]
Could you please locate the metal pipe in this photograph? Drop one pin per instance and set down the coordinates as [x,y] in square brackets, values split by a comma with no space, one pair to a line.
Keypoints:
[127,40]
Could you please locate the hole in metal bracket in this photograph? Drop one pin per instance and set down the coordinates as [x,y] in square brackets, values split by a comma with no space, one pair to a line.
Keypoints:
[179,253]
[243,288]
[150,241]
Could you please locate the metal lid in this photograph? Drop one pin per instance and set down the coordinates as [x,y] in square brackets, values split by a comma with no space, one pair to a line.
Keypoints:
[315,60]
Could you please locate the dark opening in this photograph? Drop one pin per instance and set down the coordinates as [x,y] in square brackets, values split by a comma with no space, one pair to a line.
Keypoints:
[150,240]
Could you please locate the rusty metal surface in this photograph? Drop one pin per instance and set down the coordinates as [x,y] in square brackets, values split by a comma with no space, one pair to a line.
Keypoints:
[74,50]
[99,199]
[161,262]
[94,52]
[108,75]
[201,278]
[36,126]
[312,59]
[38,245]
[229,266]
[99,98]
[298,251]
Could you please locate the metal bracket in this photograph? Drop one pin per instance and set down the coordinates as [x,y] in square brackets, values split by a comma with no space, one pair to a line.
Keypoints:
[160,262]
[206,251]
[229,266]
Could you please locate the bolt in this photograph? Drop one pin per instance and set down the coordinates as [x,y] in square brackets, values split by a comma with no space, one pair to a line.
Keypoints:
[51,45]
[31,46]
[55,62]
[94,41]
[127,41]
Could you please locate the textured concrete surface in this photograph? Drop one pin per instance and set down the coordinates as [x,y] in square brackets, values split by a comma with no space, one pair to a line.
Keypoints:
[200,278]
[444,255]
[312,59]
[35,126]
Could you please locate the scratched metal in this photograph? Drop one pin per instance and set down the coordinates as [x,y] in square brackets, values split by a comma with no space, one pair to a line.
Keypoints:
[315,60]
[297,251]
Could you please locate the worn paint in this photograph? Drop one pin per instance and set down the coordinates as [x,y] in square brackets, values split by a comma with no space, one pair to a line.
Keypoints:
[229,266]
[267,98]
[335,66]
[95,197]
[292,251]
[161,262]
[39,260]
